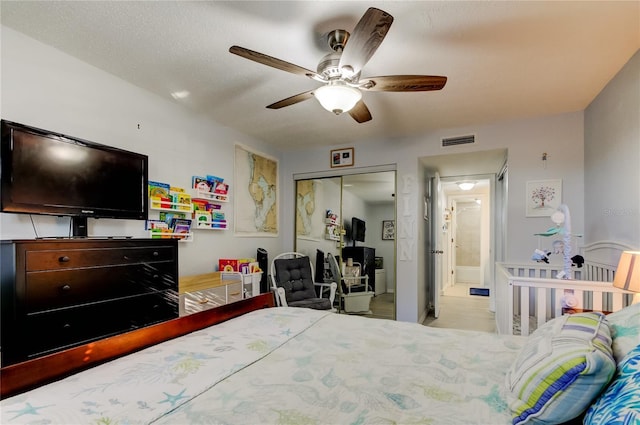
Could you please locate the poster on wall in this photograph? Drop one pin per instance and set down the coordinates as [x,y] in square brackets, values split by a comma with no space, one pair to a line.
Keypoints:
[256,193]
[543,197]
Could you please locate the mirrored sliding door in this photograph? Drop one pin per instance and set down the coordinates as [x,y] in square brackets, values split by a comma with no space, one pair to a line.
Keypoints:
[353,218]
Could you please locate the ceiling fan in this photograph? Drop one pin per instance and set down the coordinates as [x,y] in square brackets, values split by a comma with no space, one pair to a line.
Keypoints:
[340,70]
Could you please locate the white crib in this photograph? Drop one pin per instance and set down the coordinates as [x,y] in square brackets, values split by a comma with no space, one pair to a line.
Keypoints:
[529,295]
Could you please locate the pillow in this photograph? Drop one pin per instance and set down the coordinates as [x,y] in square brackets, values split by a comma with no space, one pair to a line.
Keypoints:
[562,368]
[620,403]
[625,326]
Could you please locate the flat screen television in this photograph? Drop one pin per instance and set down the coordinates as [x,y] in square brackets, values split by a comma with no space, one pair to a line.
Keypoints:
[48,173]
[358,230]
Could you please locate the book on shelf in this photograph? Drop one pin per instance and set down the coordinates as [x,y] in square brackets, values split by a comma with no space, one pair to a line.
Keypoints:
[221,188]
[159,189]
[183,200]
[180,226]
[202,218]
[168,216]
[156,224]
[201,184]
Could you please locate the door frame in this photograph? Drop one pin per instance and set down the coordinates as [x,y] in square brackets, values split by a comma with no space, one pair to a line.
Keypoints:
[494,233]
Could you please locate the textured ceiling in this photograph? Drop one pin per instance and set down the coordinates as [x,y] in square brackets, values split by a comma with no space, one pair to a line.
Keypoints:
[504,60]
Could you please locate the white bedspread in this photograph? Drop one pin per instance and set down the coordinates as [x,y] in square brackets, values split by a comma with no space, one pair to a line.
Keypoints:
[289,365]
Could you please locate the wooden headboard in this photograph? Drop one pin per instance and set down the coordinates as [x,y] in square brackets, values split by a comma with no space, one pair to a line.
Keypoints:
[23,376]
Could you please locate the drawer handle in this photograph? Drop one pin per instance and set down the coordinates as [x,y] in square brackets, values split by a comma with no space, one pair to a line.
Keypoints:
[66,326]
[64,259]
[66,288]
[125,257]
[156,253]
[203,301]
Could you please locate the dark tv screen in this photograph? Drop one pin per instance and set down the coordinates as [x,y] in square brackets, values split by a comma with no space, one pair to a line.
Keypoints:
[48,173]
[358,229]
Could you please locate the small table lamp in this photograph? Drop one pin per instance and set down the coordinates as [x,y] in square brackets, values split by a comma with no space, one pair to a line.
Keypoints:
[628,273]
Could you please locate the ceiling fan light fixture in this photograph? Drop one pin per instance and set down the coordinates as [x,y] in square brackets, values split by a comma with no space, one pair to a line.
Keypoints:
[337,97]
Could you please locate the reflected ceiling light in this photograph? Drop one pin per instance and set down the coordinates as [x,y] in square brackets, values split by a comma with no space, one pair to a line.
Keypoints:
[337,97]
[182,94]
[466,185]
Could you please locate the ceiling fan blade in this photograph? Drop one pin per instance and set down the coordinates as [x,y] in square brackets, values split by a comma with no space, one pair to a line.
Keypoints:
[365,39]
[402,83]
[360,112]
[292,100]
[271,61]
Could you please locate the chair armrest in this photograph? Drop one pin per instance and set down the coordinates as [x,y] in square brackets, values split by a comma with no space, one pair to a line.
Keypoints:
[332,286]
[353,279]
[281,298]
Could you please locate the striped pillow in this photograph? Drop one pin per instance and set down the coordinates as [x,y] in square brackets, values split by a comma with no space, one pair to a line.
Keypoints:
[564,366]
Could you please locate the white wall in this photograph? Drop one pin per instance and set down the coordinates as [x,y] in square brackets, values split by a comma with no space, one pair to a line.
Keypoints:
[612,159]
[46,88]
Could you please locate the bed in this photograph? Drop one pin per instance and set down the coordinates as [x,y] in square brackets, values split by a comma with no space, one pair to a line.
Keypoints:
[296,365]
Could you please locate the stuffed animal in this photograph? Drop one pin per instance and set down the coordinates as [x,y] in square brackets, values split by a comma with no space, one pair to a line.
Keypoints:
[577,260]
[541,256]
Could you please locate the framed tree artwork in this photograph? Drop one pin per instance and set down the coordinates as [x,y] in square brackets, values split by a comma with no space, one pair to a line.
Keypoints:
[543,197]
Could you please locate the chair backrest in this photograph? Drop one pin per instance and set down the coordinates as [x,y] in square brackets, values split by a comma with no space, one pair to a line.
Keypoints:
[293,272]
[334,268]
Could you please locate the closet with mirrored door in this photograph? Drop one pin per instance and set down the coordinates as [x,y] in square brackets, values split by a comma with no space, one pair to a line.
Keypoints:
[351,217]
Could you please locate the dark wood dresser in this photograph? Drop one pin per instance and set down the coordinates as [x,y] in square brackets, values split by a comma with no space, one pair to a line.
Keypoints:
[60,293]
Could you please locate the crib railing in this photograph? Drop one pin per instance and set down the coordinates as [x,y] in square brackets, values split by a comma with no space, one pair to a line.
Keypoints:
[529,295]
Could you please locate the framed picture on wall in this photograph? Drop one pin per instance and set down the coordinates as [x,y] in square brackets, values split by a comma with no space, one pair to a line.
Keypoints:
[342,157]
[388,230]
[543,197]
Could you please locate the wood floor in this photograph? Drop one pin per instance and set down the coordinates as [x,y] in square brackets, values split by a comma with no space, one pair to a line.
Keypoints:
[459,310]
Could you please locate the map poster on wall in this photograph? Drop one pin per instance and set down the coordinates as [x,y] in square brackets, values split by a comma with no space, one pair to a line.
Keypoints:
[309,216]
[256,194]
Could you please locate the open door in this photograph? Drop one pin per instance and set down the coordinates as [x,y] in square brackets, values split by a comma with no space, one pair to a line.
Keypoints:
[436,243]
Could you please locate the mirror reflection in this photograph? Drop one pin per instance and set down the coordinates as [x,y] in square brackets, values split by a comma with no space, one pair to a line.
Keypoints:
[346,225]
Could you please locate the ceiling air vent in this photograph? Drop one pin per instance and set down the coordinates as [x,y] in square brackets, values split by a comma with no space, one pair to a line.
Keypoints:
[462,140]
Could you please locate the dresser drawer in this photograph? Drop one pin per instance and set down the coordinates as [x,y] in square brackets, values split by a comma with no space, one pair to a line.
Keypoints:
[50,290]
[61,329]
[94,257]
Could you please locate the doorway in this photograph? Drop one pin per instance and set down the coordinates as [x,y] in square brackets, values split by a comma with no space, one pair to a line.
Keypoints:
[459,251]
[325,209]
